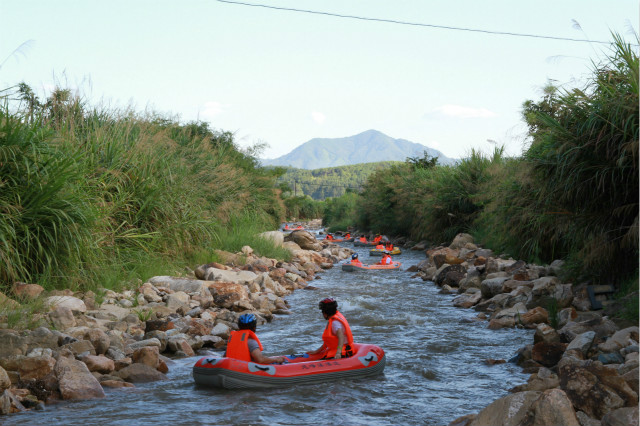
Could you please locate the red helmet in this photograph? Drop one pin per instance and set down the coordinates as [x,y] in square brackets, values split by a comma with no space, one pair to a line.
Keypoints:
[328,304]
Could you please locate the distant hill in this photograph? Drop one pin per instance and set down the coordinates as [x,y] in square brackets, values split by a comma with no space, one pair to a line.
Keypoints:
[371,146]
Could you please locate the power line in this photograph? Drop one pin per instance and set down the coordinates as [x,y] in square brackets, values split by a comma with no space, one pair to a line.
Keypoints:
[416,24]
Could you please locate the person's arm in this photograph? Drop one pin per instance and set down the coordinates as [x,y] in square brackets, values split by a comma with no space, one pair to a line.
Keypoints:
[256,356]
[341,339]
[317,351]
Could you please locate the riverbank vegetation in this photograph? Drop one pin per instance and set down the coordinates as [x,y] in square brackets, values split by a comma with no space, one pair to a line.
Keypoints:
[95,197]
[573,194]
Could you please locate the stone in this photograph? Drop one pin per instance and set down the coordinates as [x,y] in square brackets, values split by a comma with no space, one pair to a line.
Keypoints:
[73,303]
[468,299]
[99,363]
[62,317]
[463,421]
[140,373]
[178,300]
[536,315]
[116,384]
[225,294]
[98,339]
[9,403]
[553,407]
[460,240]
[582,342]
[585,420]
[626,416]
[620,339]
[509,410]
[5,382]
[148,355]
[304,239]
[594,388]
[27,291]
[492,287]
[75,381]
[548,354]
[36,367]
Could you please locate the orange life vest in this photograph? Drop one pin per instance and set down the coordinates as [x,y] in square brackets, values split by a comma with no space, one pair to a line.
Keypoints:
[331,341]
[356,262]
[286,227]
[379,247]
[329,237]
[388,247]
[347,236]
[383,261]
[377,239]
[238,345]
[363,240]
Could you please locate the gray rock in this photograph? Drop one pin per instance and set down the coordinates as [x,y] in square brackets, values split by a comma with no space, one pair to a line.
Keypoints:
[492,287]
[582,342]
[140,373]
[75,381]
[626,416]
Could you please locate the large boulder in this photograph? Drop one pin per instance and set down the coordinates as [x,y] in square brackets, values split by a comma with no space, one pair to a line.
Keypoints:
[553,407]
[621,417]
[466,300]
[492,287]
[305,240]
[140,373]
[225,294]
[460,241]
[276,236]
[509,410]
[594,388]
[75,381]
[73,303]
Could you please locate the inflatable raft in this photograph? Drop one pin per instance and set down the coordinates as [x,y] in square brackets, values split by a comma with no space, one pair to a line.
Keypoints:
[380,252]
[349,267]
[229,373]
[358,243]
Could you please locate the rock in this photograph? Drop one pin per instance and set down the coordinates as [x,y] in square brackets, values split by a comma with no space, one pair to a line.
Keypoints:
[140,373]
[276,237]
[582,342]
[457,273]
[620,339]
[492,287]
[148,355]
[509,410]
[547,354]
[464,420]
[585,420]
[305,240]
[537,315]
[147,342]
[9,403]
[611,358]
[553,407]
[221,330]
[631,377]
[75,381]
[460,241]
[27,291]
[99,363]
[70,302]
[62,317]
[594,388]
[5,382]
[468,299]
[116,384]
[99,340]
[225,294]
[35,367]
[556,267]
[626,416]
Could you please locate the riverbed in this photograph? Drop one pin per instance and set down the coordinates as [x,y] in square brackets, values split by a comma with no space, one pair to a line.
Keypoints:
[435,372]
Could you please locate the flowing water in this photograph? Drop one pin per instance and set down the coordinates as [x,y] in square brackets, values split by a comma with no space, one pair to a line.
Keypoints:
[435,368]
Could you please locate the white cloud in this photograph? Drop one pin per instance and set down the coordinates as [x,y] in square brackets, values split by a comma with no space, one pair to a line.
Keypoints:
[318,117]
[211,109]
[460,111]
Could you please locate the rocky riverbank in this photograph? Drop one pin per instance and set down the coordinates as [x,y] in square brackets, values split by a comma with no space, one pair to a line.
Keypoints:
[584,370]
[84,345]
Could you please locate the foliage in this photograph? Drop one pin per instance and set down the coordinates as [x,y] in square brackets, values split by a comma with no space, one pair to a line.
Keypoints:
[97,198]
[339,212]
[320,184]
[299,208]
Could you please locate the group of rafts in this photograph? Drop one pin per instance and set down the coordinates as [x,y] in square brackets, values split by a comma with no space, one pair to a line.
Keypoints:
[367,360]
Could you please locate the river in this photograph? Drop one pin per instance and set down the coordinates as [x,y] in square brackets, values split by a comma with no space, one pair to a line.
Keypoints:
[435,368]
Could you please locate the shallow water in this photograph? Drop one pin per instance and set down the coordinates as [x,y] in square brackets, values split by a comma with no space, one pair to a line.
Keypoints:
[435,365]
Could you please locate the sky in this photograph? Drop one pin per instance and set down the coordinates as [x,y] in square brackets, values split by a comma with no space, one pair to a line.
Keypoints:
[281,78]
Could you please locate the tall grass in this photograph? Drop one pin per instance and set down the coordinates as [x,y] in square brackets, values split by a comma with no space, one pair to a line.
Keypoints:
[100,198]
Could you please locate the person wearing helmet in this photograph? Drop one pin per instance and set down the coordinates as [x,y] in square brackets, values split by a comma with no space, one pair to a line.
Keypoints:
[355,260]
[386,260]
[363,239]
[245,345]
[337,338]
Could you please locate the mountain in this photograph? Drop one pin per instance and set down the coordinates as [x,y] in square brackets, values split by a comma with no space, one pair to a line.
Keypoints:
[367,147]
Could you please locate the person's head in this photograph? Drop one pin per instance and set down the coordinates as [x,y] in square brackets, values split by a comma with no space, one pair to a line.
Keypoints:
[247,322]
[328,307]
[354,256]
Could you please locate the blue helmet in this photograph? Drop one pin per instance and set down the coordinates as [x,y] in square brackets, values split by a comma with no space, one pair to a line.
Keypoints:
[354,256]
[247,321]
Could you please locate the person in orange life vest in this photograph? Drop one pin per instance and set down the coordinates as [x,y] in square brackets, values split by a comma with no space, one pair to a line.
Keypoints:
[355,260]
[388,246]
[337,337]
[245,345]
[329,237]
[379,247]
[286,226]
[386,260]
[347,236]
[377,239]
[363,239]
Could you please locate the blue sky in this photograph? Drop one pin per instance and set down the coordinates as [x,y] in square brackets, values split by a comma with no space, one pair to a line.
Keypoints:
[282,78]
